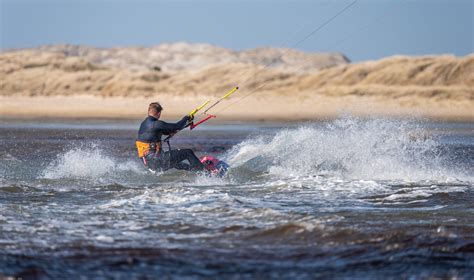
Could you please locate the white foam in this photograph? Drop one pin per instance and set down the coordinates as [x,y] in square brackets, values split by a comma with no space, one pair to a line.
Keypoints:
[205,180]
[350,148]
[87,162]
[422,192]
[105,239]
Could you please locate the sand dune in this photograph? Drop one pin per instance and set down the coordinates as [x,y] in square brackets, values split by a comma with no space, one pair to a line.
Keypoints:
[198,70]
[177,57]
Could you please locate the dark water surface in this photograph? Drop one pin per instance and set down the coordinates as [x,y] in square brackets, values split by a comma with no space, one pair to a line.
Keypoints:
[341,199]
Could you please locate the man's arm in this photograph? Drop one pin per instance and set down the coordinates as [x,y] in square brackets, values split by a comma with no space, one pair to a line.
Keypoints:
[169,128]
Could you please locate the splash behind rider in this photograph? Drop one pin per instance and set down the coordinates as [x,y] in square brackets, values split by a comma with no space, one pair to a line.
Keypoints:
[149,145]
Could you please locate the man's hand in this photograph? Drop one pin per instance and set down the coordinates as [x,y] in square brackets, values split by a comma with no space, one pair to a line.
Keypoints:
[190,118]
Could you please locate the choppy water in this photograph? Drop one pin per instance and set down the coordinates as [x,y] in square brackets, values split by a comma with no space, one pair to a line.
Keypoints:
[340,199]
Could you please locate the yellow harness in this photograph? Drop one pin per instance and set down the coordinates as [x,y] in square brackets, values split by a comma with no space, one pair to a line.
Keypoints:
[144,148]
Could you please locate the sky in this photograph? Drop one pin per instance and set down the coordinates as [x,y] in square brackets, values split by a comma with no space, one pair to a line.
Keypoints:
[367,30]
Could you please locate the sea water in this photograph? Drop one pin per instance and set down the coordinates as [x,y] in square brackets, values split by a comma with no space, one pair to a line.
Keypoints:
[347,198]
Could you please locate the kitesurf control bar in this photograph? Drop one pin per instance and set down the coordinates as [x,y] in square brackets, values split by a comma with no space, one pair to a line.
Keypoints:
[209,116]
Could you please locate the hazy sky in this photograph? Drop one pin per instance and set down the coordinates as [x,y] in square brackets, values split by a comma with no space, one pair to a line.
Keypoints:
[368,30]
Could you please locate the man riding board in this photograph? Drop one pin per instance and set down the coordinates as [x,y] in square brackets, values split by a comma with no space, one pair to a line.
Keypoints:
[149,145]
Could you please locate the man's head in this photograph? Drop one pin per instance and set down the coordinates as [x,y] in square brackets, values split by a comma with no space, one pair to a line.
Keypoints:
[154,109]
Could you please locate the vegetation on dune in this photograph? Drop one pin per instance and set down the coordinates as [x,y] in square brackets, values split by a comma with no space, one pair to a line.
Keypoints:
[182,69]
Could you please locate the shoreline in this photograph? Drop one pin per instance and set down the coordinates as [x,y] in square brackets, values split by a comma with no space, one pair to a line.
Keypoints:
[266,108]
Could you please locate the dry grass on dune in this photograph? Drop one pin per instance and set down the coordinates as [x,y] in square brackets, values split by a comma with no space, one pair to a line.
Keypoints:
[435,77]
[401,71]
[34,73]
[48,72]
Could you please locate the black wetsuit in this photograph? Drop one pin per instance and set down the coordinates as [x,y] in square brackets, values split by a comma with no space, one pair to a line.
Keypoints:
[151,131]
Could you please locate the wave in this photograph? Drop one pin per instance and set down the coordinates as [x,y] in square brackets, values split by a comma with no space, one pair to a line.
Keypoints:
[347,148]
[91,163]
[351,148]
[88,161]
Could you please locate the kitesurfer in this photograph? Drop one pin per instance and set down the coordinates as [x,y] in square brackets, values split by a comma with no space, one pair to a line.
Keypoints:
[149,143]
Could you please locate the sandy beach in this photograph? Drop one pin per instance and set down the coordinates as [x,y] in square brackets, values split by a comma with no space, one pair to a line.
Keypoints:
[248,109]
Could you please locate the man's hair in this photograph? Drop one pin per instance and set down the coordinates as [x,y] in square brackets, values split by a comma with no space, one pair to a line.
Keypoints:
[154,108]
